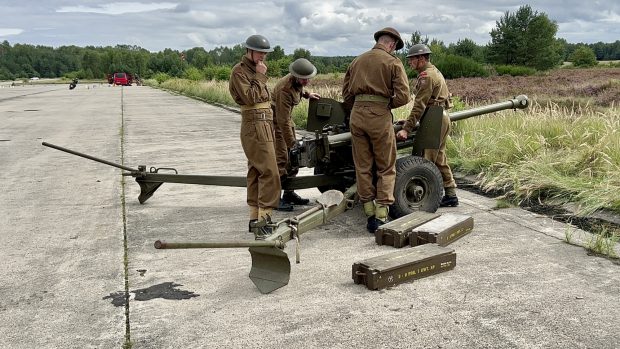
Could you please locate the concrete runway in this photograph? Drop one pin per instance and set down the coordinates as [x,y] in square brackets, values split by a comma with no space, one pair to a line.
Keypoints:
[75,242]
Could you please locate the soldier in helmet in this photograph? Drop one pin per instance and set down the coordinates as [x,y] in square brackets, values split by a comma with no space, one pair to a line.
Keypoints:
[431,89]
[286,95]
[248,87]
[375,83]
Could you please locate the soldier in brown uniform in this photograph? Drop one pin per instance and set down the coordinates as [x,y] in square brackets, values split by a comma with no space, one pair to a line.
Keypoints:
[248,87]
[286,95]
[374,84]
[431,89]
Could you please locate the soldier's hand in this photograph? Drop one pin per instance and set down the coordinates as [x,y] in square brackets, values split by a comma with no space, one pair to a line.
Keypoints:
[261,67]
[402,135]
[313,95]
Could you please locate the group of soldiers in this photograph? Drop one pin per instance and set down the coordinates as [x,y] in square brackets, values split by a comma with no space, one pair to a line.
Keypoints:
[374,84]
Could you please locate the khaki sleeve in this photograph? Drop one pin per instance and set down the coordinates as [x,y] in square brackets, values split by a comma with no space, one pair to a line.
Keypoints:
[284,108]
[423,93]
[400,85]
[348,98]
[249,91]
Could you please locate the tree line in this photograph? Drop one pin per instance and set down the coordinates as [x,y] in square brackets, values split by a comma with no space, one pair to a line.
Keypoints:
[525,38]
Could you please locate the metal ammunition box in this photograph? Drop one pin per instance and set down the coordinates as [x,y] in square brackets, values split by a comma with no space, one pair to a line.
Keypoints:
[403,265]
[397,232]
[443,230]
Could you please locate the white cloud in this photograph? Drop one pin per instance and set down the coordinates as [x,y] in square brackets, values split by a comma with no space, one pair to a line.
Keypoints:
[196,38]
[338,27]
[118,8]
[10,31]
[611,18]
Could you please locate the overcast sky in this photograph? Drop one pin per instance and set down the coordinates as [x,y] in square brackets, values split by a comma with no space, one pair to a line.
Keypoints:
[326,28]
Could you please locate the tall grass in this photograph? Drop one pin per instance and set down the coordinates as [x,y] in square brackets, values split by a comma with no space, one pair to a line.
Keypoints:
[210,91]
[547,152]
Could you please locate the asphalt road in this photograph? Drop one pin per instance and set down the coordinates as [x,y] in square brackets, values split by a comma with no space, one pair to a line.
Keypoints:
[75,243]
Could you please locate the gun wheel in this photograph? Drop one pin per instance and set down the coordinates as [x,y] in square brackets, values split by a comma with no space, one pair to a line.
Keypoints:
[418,186]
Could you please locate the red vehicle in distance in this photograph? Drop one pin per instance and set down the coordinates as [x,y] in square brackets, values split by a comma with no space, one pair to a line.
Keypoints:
[121,79]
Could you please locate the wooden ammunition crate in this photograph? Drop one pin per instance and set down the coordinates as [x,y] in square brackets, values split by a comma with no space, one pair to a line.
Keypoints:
[403,265]
[443,230]
[397,232]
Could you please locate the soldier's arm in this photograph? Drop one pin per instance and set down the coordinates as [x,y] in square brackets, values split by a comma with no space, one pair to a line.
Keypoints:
[284,108]
[348,98]
[401,86]
[250,91]
[423,93]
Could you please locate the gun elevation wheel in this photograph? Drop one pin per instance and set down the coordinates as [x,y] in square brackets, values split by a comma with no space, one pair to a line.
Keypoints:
[418,186]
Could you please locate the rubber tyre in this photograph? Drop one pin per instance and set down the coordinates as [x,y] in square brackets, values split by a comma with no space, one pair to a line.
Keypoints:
[418,187]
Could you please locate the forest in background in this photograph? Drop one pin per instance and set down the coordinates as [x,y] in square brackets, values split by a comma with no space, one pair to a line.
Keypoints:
[522,43]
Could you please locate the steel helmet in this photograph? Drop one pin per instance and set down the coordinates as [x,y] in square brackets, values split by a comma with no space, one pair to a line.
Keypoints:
[418,49]
[302,69]
[393,33]
[258,43]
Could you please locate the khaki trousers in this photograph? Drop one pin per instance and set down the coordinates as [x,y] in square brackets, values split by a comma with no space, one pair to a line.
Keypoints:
[374,143]
[284,168]
[257,140]
[438,156]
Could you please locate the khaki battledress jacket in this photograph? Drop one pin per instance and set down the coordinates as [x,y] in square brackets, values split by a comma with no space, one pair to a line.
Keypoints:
[286,95]
[431,89]
[375,83]
[249,89]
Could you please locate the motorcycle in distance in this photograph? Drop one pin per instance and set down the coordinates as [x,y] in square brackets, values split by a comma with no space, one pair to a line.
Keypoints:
[73,84]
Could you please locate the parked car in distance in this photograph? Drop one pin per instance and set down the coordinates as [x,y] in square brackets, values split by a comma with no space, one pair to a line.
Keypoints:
[121,79]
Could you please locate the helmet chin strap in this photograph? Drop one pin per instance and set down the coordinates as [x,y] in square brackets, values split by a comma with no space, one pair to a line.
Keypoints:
[252,56]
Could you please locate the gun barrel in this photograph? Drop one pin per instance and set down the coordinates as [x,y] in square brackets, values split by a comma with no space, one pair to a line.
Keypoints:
[66,150]
[218,244]
[519,102]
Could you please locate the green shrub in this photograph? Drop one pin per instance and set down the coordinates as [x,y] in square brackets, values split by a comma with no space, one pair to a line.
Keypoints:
[5,74]
[452,67]
[584,57]
[223,73]
[161,77]
[514,70]
[72,75]
[209,72]
[193,73]
[217,72]
[278,68]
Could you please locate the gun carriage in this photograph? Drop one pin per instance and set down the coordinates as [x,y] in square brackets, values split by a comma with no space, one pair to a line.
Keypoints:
[328,151]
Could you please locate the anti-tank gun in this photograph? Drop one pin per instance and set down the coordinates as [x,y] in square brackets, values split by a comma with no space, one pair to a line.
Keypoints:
[328,151]
[418,182]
